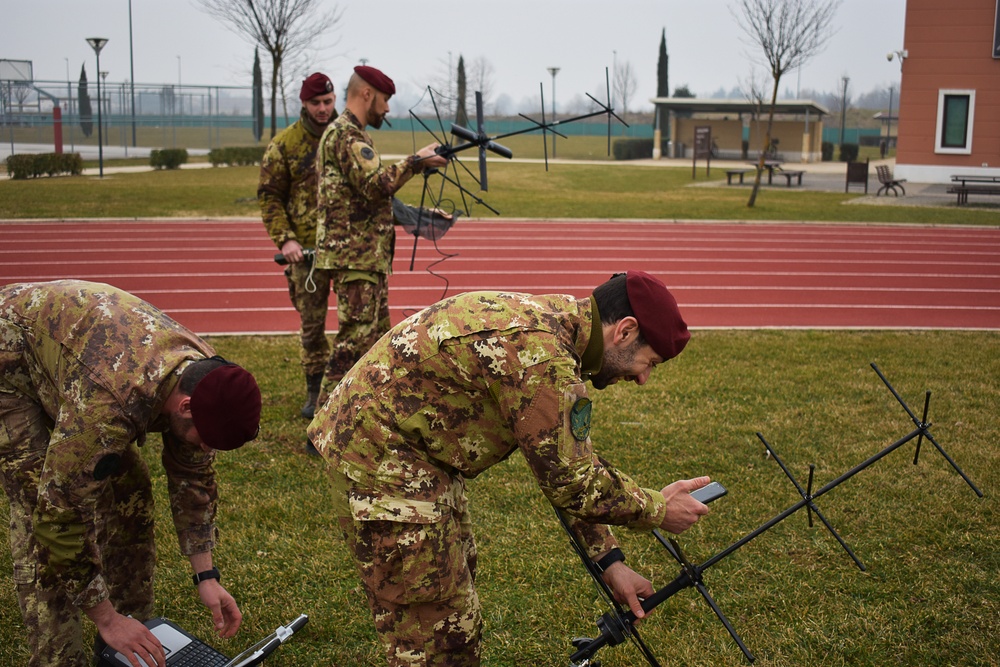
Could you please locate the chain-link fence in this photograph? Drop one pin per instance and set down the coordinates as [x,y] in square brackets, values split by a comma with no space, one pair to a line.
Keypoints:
[133,118]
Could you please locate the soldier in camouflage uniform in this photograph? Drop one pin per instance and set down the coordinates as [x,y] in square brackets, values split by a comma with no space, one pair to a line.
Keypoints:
[287,197]
[356,237]
[455,389]
[86,371]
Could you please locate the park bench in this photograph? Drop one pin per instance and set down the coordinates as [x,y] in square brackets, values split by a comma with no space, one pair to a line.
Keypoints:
[736,172]
[963,191]
[857,173]
[789,175]
[888,182]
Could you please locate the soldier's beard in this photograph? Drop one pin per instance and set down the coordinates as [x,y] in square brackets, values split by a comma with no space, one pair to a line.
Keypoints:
[617,364]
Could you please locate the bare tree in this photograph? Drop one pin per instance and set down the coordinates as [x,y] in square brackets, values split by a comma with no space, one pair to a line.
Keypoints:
[481,73]
[281,27]
[624,84]
[787,33]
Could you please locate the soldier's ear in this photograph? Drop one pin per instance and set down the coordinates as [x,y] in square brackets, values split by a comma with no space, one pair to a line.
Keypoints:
[184,407]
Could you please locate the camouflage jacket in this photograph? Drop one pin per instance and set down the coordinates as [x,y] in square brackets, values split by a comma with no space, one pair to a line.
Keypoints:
[456,388]
[288,180]
[101,364]
[355,197]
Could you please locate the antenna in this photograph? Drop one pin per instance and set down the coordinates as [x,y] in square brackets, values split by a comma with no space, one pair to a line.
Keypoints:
[617,625]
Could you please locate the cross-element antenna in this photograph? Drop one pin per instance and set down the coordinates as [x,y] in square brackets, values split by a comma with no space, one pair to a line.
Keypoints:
[617,625]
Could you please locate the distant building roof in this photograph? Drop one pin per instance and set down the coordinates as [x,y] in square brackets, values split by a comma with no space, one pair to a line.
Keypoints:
[702,105]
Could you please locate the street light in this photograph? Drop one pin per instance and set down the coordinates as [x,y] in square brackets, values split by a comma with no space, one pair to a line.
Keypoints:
[97,43]
[901,55]
[553,71]
[131,66]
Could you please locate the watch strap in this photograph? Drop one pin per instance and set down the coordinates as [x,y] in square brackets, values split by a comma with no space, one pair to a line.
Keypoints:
[207,574]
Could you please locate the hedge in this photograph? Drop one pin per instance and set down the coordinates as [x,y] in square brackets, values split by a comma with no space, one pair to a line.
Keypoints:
[49,164]
[236,156]
[168,158]
[632,149]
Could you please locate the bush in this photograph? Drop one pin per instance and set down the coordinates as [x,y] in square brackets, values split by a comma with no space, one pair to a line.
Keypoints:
[827,150]
[49,164]
[168,158]
[848,152]
[632,149]
[236,156]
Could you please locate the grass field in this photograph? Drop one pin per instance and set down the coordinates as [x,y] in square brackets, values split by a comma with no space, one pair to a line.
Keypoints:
[930,595]
[516,190]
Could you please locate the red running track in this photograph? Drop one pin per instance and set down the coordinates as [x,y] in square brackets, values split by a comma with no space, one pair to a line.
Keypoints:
[217,276]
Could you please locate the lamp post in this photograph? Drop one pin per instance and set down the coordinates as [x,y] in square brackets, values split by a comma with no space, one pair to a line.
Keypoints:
[901,55]
[131,66]
[553,71]
[97,43]
[888,124]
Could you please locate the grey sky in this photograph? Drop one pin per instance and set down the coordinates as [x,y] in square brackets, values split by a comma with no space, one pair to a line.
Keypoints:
[412,42]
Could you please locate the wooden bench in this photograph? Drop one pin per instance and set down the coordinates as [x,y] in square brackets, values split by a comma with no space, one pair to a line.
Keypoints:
[789,175]
[963,191]
[736,172]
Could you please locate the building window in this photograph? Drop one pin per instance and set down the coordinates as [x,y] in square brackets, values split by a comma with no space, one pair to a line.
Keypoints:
[954,121]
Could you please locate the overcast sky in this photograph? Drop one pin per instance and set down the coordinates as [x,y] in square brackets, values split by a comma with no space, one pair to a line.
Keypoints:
[413,41]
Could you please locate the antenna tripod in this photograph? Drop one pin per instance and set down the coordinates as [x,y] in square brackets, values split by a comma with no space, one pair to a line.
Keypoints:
[617,624]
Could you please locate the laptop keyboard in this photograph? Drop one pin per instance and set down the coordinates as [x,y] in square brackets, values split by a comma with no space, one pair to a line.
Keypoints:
[197,655]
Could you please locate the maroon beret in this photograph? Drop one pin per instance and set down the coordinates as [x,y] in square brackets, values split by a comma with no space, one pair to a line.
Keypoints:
[225,407]
[376,79]
[656,310]
[315,84]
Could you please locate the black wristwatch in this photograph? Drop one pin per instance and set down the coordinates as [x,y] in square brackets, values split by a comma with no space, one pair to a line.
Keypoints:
[612,557]
[207,574]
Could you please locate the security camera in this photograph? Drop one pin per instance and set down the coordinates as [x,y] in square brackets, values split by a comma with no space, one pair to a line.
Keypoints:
[888,56]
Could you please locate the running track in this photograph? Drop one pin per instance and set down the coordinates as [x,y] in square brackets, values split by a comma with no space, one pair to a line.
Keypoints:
[218,276]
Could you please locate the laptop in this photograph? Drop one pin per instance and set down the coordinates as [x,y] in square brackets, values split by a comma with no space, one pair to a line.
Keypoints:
[185,650]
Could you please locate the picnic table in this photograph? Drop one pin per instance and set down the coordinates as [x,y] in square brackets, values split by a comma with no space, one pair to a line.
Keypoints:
[978,184]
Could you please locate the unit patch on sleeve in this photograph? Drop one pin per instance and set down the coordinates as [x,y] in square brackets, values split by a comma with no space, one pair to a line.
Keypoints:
[579,418]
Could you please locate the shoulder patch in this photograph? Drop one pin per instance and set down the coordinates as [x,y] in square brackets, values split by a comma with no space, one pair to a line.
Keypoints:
[579,419]
[365,157]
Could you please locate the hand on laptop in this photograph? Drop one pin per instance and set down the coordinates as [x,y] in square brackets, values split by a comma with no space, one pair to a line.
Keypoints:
[226,615]
[127,635]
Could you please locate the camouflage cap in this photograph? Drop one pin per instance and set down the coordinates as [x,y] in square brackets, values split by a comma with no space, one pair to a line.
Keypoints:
[376,79]
[656,311]
[225,407]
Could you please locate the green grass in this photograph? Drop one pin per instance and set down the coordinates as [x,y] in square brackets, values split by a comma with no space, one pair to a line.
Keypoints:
[516,190]
[930,595]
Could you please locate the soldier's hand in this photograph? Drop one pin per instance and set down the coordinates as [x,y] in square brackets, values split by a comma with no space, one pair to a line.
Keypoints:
[226,614]
[683,510]
[292,251]
[429,158]
[628,587]
[127,636]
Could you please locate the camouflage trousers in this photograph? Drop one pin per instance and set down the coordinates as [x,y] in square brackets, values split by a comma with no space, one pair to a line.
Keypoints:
[123,525]
[420,582]
[362,318]
[311,296]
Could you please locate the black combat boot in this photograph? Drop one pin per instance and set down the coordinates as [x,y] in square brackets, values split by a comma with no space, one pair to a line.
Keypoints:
[312,395]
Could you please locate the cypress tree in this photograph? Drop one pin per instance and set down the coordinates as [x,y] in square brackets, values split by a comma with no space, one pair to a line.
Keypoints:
[86,111]
[462,112]
[663,82]
[258,97]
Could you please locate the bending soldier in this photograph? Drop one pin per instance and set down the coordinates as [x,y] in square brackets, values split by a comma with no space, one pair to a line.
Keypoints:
[86,371]
[457,388]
